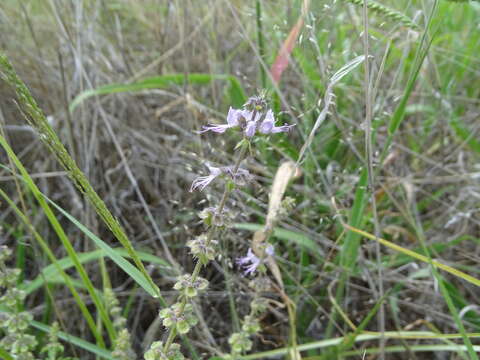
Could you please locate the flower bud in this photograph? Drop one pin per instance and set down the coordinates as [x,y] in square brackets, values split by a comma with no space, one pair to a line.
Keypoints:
[189,287]
[250,325]
[179,316]
[240,342]
[257,103]
[156,352]
[259,305]
[201,251]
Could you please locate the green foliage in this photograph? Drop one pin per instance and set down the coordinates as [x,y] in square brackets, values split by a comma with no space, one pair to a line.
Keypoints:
[38,120]
[423,62]
[236,95]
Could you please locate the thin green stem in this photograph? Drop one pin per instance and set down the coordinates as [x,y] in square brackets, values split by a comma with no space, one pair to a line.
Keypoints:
[171,337]
[210,235]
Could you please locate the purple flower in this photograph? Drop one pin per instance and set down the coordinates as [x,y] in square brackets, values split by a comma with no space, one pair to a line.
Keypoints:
[268,125]
[250,262]
[240,177]
[202,181]
[233,118]
[249,121]
[250,128]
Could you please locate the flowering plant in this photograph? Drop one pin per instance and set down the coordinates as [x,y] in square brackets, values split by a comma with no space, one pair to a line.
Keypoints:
[179,318]
[249,121]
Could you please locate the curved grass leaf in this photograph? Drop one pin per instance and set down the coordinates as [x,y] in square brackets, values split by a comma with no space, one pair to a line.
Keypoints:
[131,270]
[85,345]
[286,235]
[50,272]
[465,134]
[236,93]
[406,335]
[37,119]
[62,236]
[71,284]
[413,254]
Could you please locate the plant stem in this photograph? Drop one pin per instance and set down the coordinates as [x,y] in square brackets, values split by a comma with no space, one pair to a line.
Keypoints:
[211,232]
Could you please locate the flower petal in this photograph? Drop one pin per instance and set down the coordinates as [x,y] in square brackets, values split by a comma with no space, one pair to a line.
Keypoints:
[250,128]
[283,128]
[214,170]
[232,116]
[201,182]
[270,250]
[250,262]
[266,127]
[215,128]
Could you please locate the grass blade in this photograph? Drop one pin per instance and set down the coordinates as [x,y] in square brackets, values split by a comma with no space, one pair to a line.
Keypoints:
[236,93]
[50,272]
[413,254]
[38,120]
[131,270]
[85,345]
[400,111]
[406,335]
[286,235]
[71,284]
[62,237]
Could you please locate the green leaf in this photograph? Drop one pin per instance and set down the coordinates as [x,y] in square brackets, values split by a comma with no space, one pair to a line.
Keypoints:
[236,93]
[286,235]
[126,266]
[465,134]
[71,284]
[94,349]
[4,355]
[50,272]
[348,255]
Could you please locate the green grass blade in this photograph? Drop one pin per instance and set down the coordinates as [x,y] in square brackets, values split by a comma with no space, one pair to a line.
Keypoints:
[131,270]
[62,237]
[350,340]
[286,235]
[436,349]
[351,243]
[50,272]
[4,355]
[71,284]
[85,345]
[406,335]
[421,54]
[349,253]
[37,119]
[236,93]
[413,254]
[443,289]
[465,134]
[456,317]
